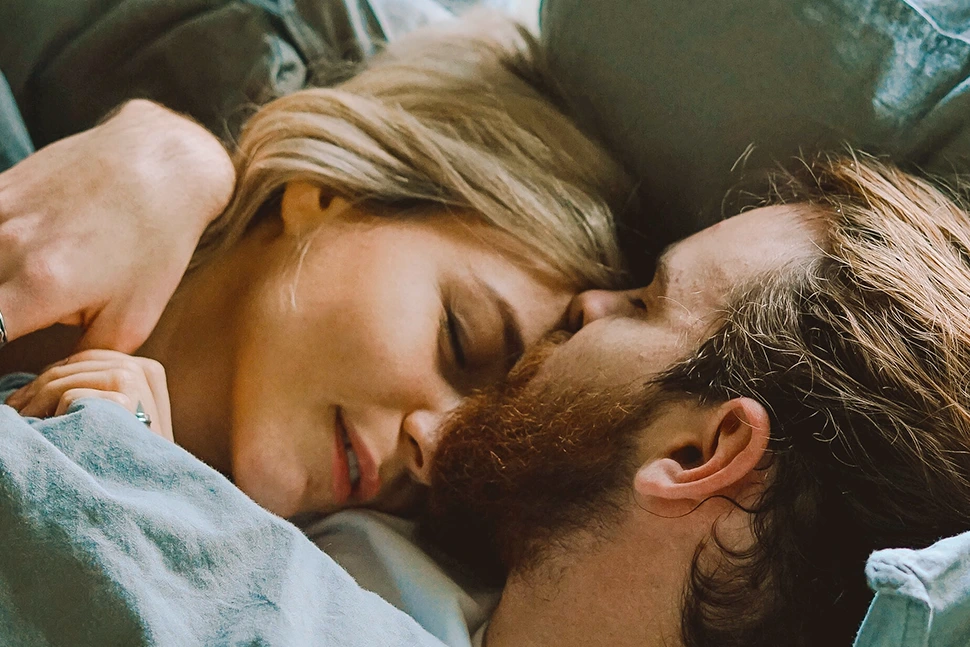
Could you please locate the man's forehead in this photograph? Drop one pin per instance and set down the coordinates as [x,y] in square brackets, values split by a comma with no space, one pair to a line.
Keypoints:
[752,242]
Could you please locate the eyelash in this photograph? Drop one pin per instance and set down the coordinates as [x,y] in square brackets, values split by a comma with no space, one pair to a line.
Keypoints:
[454,338]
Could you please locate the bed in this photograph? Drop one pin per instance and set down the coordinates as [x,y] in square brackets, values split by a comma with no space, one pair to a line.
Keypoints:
[768,80]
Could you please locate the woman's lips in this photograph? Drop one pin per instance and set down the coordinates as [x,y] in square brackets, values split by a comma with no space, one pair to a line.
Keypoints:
[370,481]
[342,487]
[369,484]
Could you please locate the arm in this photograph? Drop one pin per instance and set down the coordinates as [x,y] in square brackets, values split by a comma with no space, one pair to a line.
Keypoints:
[96,230]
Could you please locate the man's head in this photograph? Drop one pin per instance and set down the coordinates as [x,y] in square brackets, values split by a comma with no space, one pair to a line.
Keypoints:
[710,459]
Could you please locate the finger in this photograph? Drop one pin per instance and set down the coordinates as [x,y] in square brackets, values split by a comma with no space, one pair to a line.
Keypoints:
[18,398]
[158,424]
[99,354]
[71,396]
[26,307]
[44,400]
[95,360]
[158,383]
[130,378]
[37,282]
[88,361]
[105,333]
[124,325]
[61,370]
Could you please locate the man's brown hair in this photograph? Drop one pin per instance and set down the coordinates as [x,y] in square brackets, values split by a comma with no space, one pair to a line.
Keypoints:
[862,358]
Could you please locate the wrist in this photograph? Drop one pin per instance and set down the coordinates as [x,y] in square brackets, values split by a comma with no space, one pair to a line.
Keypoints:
[178,162]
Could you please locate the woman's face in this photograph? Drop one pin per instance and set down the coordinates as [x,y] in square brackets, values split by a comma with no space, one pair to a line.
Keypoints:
[360,338]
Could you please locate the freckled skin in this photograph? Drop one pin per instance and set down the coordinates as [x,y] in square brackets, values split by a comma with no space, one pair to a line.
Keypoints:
[338,310]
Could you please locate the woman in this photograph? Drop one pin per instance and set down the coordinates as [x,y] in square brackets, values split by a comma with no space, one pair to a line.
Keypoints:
[392,245]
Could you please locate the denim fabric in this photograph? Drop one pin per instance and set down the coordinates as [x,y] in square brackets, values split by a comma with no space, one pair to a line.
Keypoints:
[15,143]
[922,596]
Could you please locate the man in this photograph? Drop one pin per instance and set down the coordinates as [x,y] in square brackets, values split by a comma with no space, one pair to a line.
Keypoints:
[710,460]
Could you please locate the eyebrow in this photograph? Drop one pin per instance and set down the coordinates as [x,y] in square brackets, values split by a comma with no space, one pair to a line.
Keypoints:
[511,328]
[661,273]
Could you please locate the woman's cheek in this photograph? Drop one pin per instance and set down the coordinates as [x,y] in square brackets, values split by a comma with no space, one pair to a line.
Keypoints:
[281,447]
[386,342]
[275,485]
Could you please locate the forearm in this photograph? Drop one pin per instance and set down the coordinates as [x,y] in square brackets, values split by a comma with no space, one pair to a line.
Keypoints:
[96,230]
[175,165]
[159,159]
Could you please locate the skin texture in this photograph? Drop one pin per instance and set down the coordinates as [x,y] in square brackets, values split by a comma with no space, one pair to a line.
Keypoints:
[96,230]
[331,319]
[612,573]
[135,383]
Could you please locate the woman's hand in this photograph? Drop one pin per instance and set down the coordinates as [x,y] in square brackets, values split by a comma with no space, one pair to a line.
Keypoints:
[96,230]
[104,374]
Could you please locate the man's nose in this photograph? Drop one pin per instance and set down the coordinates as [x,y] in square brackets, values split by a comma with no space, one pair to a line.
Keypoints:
[420,438]
[588,306]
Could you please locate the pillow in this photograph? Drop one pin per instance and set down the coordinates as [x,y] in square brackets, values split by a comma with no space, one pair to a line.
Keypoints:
[922,596]
[690,92]
[14,141]
[383,555]
[71,61]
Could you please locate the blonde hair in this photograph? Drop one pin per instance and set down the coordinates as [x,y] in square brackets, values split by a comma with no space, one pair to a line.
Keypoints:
[460,117]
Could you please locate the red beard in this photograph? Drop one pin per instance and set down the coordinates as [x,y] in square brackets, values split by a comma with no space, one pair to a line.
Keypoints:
[522,465]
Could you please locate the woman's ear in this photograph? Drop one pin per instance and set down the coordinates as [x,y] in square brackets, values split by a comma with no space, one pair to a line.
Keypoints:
[715,457]
[306,205]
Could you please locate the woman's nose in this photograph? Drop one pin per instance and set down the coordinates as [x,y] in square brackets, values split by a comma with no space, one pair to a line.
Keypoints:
[420,430]
[588,306]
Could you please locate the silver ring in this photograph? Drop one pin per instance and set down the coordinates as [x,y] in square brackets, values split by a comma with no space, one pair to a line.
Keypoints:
[3,332]
[142,416]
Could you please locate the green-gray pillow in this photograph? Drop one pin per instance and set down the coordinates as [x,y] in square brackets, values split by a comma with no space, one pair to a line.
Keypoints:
[684,90]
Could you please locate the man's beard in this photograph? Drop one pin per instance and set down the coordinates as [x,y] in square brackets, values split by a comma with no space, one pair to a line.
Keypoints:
[521,467]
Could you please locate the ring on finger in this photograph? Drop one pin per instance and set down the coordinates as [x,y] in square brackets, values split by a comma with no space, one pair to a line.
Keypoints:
[3,332]
[142,416]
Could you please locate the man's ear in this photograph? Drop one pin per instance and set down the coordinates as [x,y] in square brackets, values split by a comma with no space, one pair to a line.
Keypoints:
[306,205]
[724,447]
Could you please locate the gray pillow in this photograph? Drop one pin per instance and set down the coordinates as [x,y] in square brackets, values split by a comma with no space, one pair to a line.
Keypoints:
[690,92]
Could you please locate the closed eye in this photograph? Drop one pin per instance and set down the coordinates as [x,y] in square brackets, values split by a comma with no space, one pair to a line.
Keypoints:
[637,303]
[455,334]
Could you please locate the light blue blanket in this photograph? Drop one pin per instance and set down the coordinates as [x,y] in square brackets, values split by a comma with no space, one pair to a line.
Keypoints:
[110,535]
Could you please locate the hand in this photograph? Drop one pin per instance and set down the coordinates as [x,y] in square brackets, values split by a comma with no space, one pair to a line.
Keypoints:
[103,374]
[97,230]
